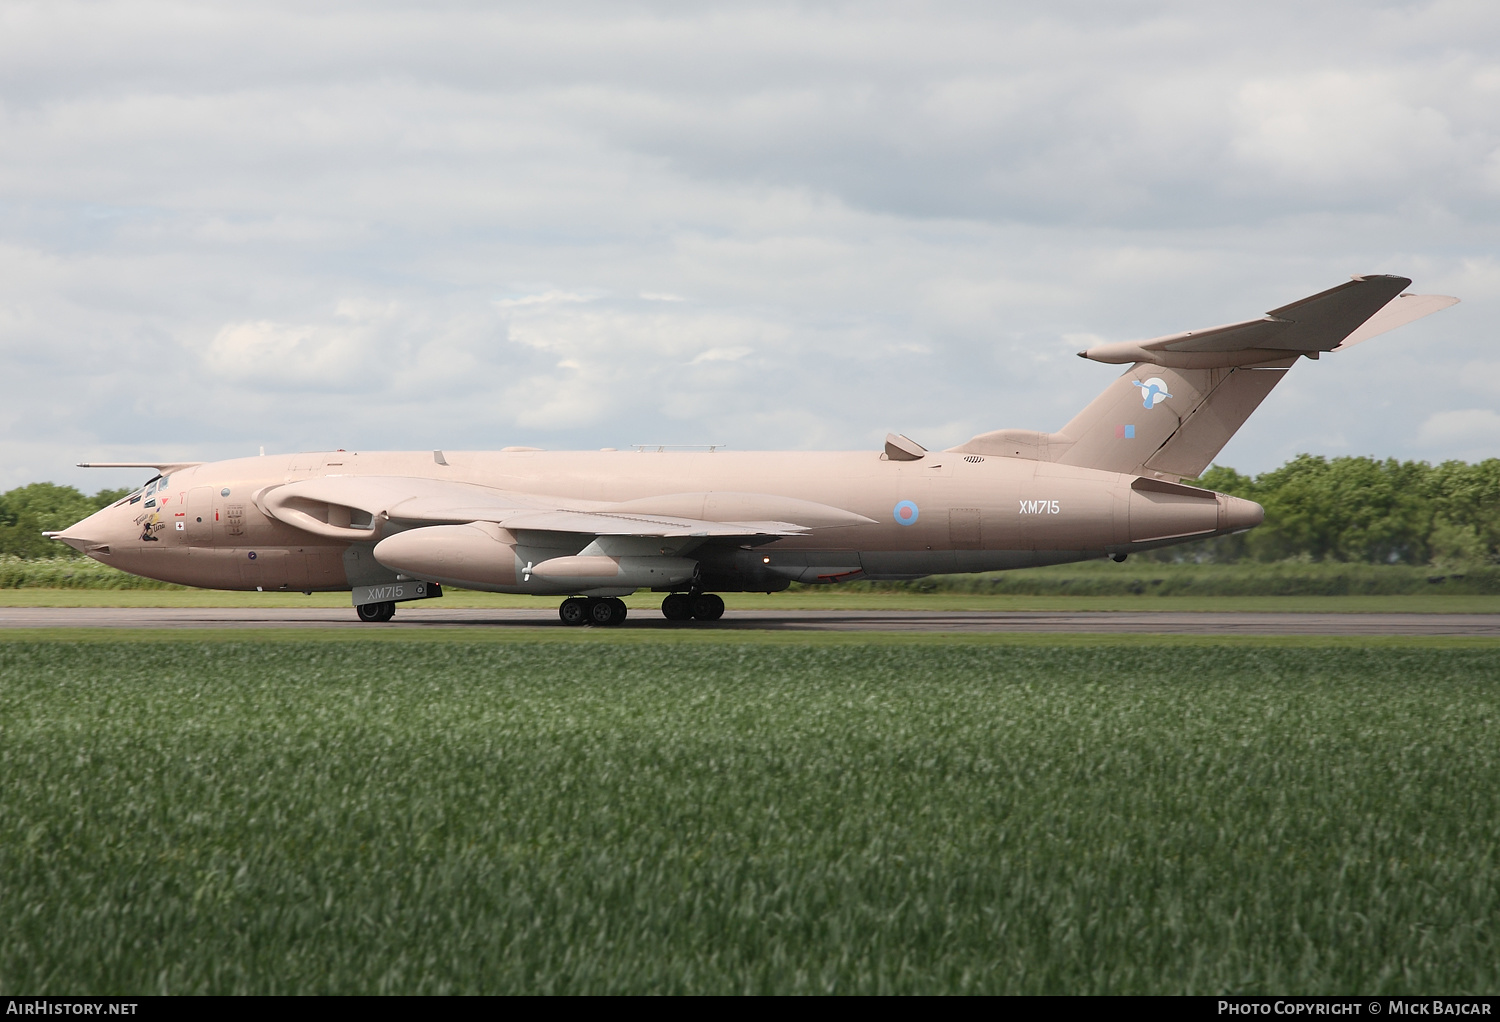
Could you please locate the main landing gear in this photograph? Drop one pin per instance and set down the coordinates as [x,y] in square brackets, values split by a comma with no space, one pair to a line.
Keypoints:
[692,606]
[376,611]
[579,610]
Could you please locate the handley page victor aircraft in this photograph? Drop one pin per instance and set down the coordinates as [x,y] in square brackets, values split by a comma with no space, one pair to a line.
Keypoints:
[597,525]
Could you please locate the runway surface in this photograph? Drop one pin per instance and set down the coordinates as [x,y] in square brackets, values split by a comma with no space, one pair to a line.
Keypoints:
[1129,622]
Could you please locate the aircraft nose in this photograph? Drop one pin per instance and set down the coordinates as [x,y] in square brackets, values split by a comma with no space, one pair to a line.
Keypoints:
[1237,514]
[91,536]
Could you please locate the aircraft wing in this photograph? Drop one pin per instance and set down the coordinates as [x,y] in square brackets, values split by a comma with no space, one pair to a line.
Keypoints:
[1331,320]
[352,507]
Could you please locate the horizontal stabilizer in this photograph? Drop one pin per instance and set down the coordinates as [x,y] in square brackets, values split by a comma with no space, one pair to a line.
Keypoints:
[1401,310]
[1329,321]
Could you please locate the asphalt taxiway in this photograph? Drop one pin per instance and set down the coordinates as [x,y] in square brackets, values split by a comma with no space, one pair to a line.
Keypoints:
[1109,622]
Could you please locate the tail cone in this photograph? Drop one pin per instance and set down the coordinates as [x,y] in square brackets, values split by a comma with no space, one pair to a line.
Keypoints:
[1237,514]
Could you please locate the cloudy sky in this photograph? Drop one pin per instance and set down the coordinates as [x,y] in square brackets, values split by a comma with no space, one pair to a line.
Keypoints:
[448,225]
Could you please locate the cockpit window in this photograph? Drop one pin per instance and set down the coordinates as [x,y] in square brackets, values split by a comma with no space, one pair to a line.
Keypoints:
[162,485]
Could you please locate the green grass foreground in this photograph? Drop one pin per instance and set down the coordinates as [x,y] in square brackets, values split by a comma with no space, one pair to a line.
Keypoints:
[720,816]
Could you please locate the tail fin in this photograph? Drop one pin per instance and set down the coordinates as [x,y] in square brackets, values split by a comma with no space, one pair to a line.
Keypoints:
[1186,394]
[1167,422]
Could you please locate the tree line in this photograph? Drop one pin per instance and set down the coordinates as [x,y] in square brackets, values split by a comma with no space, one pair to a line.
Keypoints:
[1357,510]
[28,510]
[1362,510]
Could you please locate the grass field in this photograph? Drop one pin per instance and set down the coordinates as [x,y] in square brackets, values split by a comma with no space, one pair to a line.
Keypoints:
[710,814]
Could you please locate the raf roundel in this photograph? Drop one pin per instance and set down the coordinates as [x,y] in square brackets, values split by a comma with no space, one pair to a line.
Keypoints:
[906,513]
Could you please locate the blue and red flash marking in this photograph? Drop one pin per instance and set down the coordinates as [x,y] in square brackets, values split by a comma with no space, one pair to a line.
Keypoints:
[1124,432]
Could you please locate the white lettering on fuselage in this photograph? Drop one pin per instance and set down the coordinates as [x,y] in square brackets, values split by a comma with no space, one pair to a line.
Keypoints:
[1040,507]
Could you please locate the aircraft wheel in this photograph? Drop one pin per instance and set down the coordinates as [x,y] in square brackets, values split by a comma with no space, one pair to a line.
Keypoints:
[620,610]
[376,611]
[601,612]
[708,607]
[574,611]
[677,607]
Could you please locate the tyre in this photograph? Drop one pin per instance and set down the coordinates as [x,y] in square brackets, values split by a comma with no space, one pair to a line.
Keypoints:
[376,611]
[601,612]
[620,611]
[677,607]
[574,611]
[707,607]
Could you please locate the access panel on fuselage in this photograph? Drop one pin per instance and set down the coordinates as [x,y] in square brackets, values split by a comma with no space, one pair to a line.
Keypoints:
[198,524]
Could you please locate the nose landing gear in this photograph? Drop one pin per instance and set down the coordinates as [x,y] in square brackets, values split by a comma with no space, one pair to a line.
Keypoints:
[578,610]
[699,606]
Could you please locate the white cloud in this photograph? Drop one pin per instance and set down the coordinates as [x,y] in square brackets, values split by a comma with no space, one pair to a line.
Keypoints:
[1466,429]
[318,356]
[721,355]
[1335,128]
[545,298]
[483,221]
